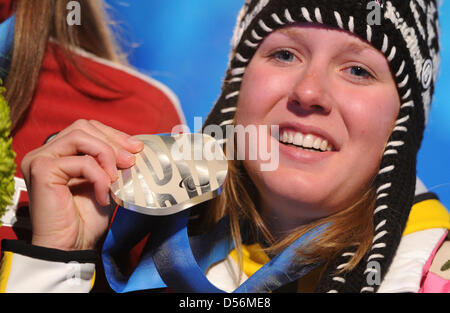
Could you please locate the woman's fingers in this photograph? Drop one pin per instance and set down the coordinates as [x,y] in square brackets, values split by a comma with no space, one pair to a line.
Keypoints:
[58,220]
[75,143]
[124,140]
[87,152]
[123,144]
[111,148]
[56,173]
[86,167]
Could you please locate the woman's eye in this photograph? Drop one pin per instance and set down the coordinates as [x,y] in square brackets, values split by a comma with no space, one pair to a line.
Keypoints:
[284,56]
[360,72]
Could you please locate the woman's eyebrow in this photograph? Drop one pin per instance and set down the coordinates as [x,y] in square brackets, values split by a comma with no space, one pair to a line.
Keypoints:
[293,34]
[355,47]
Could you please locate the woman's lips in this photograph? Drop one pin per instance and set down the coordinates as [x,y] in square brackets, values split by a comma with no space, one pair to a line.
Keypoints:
[304,156]
[304,144]
[305,141]
[307,137]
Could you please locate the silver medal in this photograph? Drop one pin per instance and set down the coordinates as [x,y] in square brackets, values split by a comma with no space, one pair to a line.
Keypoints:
[171,174]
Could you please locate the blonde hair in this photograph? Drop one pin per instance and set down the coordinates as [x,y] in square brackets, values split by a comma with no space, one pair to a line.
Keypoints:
[36,23]
[352,226]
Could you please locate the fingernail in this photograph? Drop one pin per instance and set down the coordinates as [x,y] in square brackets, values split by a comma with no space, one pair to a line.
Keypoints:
[125,155]
[115,174]
[134,141]
[107,200]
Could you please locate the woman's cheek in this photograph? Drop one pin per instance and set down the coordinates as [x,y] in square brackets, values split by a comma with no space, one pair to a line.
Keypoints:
[371,130]
[260,92]
[369,115]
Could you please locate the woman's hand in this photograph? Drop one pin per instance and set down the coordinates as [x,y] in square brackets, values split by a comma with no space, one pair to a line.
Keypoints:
[68,183]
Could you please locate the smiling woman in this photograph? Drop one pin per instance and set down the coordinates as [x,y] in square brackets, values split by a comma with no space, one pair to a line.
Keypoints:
[311,91]
[350,100]
[312,81]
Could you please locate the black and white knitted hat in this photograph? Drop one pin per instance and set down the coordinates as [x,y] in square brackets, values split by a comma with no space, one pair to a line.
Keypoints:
[408,35]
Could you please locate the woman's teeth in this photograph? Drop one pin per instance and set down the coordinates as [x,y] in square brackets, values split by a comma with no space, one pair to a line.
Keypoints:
[309,142]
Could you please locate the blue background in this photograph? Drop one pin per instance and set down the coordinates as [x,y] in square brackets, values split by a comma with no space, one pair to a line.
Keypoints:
[185,45]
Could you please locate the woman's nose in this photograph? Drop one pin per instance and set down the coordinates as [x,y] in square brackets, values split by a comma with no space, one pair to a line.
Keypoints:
[310,93]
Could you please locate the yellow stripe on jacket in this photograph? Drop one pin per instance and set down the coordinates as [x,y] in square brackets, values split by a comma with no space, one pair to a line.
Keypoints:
[426,215]
[5,269]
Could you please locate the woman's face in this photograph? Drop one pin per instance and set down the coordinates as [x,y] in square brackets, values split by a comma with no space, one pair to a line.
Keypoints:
[330,93]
